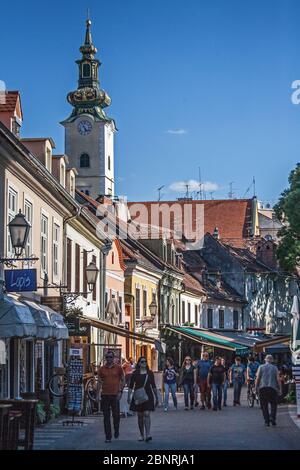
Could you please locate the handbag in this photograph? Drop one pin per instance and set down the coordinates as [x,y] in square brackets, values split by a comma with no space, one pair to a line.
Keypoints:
[140,395]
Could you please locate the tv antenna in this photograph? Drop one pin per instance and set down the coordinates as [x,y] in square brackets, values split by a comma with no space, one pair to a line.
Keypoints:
[159,192]
[231,191]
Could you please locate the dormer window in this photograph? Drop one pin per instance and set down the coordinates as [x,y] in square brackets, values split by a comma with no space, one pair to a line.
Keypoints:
[84,160]
[86,70]
[16,126]
[62,175]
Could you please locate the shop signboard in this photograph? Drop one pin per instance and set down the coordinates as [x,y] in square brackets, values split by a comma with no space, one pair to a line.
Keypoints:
[20,280]
[75,327]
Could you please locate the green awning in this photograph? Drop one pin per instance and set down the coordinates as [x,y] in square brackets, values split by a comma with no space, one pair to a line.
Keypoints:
[208,338]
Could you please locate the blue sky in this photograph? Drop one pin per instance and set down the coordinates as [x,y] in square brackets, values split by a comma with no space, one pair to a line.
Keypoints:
[193,83]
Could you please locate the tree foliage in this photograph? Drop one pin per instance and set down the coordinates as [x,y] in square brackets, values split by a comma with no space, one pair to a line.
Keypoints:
[288,212]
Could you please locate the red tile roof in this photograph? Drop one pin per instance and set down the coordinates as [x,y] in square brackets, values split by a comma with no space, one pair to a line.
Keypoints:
[10,99]
[232,217]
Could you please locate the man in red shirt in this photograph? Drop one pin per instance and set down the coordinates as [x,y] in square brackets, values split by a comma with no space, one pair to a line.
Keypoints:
[111,384]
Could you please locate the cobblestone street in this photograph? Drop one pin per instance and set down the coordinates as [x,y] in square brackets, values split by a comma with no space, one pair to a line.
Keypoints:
[234,428]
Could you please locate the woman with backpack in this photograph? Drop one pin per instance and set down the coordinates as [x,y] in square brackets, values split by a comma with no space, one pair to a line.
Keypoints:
[143,397]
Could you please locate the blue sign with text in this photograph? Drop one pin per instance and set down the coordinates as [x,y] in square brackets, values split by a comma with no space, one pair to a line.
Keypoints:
[20,280]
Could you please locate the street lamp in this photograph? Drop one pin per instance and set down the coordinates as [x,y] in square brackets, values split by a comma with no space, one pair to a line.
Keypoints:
[153,309]
[19,231]
[91,278]
[91,275]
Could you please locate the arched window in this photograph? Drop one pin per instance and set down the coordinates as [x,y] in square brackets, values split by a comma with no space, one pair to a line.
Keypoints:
[86,70]
[84,160]
[108,162]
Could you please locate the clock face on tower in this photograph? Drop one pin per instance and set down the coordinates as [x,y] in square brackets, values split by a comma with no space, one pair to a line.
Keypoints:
[84,127]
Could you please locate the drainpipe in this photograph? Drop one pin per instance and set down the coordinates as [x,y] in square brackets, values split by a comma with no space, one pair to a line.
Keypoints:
[104,252]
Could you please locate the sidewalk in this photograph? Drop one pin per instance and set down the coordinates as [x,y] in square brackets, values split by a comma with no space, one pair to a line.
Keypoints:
[233,428]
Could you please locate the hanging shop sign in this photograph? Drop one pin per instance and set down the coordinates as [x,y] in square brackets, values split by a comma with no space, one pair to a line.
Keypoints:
[76,328]
[20,280]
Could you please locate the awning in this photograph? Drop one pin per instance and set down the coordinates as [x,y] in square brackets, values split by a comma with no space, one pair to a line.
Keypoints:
[208,338]
[279,348]
[117,330]
[60,328]
[45,326]
[16,319]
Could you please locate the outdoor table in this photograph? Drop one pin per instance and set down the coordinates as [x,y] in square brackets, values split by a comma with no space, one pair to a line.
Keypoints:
[27,407]
[4,423]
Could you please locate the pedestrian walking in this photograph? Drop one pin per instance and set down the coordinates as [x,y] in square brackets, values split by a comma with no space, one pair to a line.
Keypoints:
[203,367]
[196,386]
[216,378]
[128,367]
[170,383]
[110,387]
[268,384]
[252,368]
[187,380]
[237,378]
[226,381]
[143,397]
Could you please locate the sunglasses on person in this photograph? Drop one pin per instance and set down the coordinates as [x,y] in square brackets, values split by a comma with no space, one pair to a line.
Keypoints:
[109,357]
[188,360]
[143,362]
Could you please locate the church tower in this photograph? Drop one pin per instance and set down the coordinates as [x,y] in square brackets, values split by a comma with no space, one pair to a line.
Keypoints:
[89,132]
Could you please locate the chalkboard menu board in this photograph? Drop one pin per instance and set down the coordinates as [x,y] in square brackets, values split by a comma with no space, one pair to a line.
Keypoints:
[75,376]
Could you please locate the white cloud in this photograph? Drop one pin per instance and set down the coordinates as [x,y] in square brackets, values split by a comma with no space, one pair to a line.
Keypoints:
[193,185]
[176,131]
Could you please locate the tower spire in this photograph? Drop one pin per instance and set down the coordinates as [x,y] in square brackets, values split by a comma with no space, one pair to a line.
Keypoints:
[88,50]
[89,97]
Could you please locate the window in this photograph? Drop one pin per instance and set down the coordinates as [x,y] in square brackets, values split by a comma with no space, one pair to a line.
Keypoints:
[108,162]
[137,304]
[112,258]
[72,186]
[86,70]
[106,299]
[94,260]
[253,284]
[48,160]
[16,127]
[77,268]
[183,311]
[94,71]
[87,192]
[12,210]
[44,244]
[209,318]
[55,249]
[120,307]
[189,312]
[145,306]
[84,266]
[235,320]
[69,264]
[221,318]
[196,314]
[62,175]
[84,160]
[28,210]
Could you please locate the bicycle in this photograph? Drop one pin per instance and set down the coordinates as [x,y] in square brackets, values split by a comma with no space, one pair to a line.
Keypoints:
[58,384]
[252,395]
